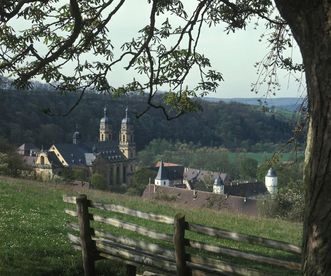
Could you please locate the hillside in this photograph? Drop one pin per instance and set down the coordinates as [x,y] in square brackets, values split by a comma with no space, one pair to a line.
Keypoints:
[34,233]
[231,125]
[290,104]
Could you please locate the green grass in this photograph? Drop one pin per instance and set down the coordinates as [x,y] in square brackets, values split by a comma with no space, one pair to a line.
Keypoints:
[34,234]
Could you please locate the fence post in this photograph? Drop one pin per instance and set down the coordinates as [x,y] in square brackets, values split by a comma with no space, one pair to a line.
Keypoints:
[179,242]
[85,235]
[131,270]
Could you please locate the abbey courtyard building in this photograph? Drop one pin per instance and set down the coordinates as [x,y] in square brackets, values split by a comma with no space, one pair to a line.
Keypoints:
[112,158]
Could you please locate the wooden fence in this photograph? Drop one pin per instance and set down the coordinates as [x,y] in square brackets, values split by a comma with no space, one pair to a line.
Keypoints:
[176,255]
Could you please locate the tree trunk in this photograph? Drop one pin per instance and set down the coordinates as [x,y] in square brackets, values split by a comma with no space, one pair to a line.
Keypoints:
[310,22]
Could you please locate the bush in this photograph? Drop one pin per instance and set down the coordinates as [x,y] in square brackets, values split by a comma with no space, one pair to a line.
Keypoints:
[11,162]
[98,181]
[287,204]
[140,180]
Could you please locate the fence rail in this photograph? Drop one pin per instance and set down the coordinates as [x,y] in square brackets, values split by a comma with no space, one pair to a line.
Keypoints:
[176,255]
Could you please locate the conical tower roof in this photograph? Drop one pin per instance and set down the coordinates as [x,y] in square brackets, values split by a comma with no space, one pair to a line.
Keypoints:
[162,173]
[271,173]
[218,181]
[105,118]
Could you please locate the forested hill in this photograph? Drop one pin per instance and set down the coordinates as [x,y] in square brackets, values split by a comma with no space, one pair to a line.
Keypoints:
[230,125]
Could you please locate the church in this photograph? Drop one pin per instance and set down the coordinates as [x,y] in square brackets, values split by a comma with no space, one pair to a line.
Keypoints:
[114,159]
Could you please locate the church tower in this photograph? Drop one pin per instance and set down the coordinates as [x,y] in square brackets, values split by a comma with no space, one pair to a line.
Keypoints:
[76,137]
[127,144]
[105,128]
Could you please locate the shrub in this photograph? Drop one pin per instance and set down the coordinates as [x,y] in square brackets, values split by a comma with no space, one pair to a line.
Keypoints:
[98,181]
[287,204]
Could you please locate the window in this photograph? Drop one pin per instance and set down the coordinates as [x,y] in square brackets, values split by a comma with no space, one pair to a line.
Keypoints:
[42,160]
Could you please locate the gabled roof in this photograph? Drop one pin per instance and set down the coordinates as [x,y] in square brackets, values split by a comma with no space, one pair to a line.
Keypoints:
[27,146]
[201,175]
[170,172]
[73,154]
[54,160]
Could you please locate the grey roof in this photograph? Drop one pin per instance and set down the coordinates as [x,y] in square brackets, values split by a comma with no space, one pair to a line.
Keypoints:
[170,172]
[271,173]
[201,175]
[85,154]
[54,160]
[73,154]
[89,158]
[28,146]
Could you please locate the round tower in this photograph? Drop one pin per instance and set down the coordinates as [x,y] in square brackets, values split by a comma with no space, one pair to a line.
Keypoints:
[76,137]
[126,137]
[271,181]
[105,128]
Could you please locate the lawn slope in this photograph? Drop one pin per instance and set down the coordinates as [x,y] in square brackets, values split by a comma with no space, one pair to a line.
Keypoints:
[34,234]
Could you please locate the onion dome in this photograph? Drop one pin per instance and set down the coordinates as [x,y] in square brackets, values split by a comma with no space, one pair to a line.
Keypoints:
[126,120]
[105,119]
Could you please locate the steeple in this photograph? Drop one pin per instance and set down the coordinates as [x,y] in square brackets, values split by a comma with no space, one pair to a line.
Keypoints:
[76,136]
[162,178]
[126,137]
[105,127]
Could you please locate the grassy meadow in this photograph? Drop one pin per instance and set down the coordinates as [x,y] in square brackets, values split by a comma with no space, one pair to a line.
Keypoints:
[34,233]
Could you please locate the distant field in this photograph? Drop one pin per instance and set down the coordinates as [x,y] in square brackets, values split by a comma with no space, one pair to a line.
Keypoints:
[34,234]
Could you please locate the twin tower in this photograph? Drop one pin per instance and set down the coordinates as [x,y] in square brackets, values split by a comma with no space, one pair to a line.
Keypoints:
[126,135]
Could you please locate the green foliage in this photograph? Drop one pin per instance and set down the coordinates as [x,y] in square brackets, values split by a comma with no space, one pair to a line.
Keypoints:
[98,181]
[239,165]
[289,173]
[34,231]
[141,178]
[234,126]
[287,204]
[80,174]
[247,168]
[11,162]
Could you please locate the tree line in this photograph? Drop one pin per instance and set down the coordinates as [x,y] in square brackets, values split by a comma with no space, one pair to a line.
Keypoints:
[38,117]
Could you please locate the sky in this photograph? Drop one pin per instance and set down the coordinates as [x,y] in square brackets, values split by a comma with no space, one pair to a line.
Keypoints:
[234,55]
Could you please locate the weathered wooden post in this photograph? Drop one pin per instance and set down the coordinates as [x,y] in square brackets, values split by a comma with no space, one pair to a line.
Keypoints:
[88,249]
[179,242]
[131,270]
